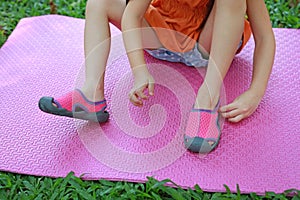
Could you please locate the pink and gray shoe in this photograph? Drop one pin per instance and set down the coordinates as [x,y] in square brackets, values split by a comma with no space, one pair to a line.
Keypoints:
[75,104]
[203,130]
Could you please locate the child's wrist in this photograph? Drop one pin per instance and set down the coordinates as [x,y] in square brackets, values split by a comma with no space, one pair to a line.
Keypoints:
[257,91]
[138,70]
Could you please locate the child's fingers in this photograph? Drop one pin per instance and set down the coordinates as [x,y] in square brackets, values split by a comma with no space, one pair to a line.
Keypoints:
[231,114]
[141,95]
[151,88]
[134,99]
[228,107]
[236,118]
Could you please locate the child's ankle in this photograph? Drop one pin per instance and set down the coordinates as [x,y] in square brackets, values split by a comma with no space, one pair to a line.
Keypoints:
[206,100]
[93,94]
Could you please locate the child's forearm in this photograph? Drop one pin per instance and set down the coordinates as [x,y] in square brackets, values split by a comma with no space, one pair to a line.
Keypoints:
[262,63]
[132,37]
[264,52]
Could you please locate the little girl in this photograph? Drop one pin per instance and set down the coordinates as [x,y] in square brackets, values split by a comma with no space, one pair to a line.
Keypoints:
[194,32]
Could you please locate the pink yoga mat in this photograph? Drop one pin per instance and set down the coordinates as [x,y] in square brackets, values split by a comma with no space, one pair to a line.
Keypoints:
[44,57]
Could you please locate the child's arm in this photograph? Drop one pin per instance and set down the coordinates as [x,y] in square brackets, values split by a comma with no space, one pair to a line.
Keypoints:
[132,35]
[264,45]
[262,63]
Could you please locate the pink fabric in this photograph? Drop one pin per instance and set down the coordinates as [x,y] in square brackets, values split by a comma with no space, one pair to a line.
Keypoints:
[44,57]
[202,124]
[74,99]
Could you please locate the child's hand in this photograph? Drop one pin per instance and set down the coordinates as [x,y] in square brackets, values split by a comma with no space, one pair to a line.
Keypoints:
[242,107]
[142,80]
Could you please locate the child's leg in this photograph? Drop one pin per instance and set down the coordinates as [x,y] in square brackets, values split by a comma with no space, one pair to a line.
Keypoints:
[98,15]
[96,32]
[90,97]
[220,37]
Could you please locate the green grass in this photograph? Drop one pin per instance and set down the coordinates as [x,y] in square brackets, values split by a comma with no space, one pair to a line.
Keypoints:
[17,187]
[283,14]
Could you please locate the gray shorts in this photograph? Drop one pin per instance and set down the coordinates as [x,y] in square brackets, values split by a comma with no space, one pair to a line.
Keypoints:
[191,58]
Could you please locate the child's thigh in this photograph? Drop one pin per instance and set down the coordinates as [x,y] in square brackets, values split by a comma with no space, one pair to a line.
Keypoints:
[205,38]
[106,9]
[113,10]
[150,38]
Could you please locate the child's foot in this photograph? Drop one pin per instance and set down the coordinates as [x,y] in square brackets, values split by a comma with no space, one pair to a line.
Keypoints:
[75,104]
[90,96]
[203,130]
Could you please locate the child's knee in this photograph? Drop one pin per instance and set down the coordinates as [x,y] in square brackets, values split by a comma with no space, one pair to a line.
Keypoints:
[96,5]
[233,6]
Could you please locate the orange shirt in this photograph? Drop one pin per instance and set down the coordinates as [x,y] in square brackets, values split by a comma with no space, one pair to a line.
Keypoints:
[182,16]
[174,20]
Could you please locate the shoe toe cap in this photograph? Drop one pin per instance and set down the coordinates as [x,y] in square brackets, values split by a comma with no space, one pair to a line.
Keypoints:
[197,145]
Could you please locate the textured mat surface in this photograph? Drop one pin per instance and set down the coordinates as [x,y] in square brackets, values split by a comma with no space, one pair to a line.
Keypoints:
[44,56]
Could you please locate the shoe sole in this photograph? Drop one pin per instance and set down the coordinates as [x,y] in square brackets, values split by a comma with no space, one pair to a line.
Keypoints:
[45,105]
